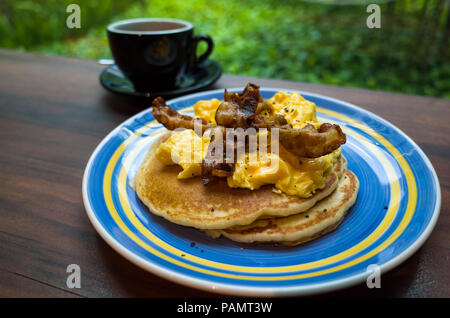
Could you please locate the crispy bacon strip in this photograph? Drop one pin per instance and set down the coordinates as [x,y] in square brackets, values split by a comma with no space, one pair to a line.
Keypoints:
[275,121]
[237,108]
[306,142]
[211,168]
[171,119]
[243,110]
[311,142]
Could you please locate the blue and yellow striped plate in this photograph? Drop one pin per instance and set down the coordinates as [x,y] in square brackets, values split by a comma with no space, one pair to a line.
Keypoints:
[396,209]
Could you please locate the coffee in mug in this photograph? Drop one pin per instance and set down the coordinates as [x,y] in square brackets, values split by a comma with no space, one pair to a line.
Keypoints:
[155,53]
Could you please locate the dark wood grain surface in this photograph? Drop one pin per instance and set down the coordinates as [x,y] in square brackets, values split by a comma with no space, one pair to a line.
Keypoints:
[53,113]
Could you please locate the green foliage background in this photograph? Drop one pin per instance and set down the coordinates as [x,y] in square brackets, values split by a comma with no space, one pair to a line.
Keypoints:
[313,41]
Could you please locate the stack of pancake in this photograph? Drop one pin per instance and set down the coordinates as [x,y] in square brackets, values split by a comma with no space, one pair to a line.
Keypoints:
[244,215]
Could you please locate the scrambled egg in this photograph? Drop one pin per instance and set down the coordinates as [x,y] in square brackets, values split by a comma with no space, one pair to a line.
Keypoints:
[288,173]
[206,109]
[186,149]
[297,110]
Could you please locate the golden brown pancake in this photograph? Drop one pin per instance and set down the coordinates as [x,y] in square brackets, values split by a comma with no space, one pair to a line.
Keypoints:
[216,206]
[322,218]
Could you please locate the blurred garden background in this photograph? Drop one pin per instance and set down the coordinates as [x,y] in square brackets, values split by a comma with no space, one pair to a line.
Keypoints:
[315,41]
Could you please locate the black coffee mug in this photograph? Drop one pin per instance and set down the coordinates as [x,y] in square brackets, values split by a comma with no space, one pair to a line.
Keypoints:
[155,53]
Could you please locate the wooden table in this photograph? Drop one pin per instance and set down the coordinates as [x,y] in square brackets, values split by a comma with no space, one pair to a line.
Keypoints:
[53,113]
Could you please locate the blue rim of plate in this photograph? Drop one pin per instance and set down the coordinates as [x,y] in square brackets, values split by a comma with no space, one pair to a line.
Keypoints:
[393,215]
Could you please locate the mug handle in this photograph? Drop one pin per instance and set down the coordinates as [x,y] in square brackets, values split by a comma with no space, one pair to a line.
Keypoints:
[202,37]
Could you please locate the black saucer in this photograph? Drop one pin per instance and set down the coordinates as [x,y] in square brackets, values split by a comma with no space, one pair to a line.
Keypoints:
[206,74]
